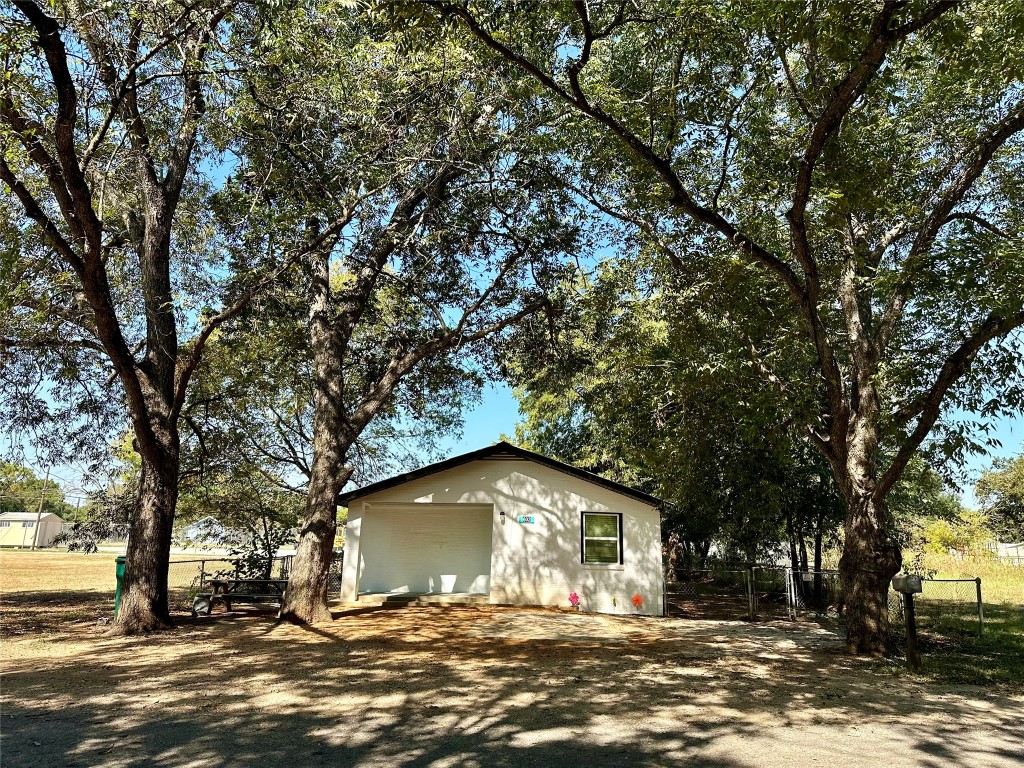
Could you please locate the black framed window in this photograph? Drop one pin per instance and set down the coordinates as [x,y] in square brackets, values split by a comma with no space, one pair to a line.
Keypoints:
[601,538]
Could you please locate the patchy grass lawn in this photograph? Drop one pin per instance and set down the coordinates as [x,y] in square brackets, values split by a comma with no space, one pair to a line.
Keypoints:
[948,624]
[954,652]
[44,592]
[55,571]
[471,686]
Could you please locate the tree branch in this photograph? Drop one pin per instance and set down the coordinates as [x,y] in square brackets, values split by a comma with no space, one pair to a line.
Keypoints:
[955,366]
[403,362]
[192,111]
[188,365]
[34,211]
[50,41]
[981,222]
[942,212]
[680,196]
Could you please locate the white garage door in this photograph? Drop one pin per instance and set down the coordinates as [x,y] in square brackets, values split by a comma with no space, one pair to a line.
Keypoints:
[426,548]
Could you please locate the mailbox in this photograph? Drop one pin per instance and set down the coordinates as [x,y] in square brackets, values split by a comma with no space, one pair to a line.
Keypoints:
[906,583]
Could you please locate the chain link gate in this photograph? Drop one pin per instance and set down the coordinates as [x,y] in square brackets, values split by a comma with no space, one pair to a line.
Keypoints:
[719,591]
[769,592]
[814,593]
[729,591]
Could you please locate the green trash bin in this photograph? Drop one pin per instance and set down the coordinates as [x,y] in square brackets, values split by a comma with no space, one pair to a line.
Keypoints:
[119,569]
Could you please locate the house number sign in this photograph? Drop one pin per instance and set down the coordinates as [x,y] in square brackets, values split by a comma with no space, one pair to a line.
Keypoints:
[526,519]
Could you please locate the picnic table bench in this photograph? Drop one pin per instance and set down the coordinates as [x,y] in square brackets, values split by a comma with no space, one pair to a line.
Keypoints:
[230,591]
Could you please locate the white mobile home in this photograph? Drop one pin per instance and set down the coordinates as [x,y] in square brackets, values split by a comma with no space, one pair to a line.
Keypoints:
[21,529]
[510,526]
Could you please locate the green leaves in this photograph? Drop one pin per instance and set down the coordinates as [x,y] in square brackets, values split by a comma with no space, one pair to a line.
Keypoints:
[660,390]
[420,183]
[1001,493]
[692,124]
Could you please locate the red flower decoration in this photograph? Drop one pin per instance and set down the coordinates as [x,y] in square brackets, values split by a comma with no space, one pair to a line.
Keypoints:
[637,600]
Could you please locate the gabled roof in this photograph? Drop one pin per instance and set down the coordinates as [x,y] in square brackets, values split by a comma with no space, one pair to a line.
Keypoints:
[500,450]
[27,516]
[202,520]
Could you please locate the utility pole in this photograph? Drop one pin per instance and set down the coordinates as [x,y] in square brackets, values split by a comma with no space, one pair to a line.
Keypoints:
[39,511]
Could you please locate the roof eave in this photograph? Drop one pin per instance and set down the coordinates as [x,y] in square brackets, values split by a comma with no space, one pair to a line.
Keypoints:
[496,451]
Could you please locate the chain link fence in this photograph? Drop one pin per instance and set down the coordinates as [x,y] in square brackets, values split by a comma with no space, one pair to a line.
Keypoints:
[768,592]
[719,591]
[815,593]
[187,577]
[948,607]
[729,591]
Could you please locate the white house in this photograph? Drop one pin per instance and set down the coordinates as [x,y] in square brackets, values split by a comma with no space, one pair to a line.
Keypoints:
[204,530]
[19,529]
[509,525]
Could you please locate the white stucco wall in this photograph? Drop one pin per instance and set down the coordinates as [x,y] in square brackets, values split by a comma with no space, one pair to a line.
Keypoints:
[530,564]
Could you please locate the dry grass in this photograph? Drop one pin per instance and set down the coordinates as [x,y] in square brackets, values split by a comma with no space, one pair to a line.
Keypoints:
[1000,583]
[43,591]
[55,571]
[59,571]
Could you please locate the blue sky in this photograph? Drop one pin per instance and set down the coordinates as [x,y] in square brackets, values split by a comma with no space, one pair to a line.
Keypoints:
[495,415]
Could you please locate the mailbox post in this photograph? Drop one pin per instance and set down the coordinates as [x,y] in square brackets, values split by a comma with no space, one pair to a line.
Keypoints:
[908,585]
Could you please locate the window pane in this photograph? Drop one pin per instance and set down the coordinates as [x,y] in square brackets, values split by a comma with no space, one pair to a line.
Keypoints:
[28,524]
[601,525]
[600,551]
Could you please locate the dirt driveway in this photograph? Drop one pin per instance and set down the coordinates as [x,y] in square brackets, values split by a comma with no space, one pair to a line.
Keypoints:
[482,687]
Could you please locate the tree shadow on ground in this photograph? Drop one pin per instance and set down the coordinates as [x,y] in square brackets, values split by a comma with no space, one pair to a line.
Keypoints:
[446,687]
[31,613]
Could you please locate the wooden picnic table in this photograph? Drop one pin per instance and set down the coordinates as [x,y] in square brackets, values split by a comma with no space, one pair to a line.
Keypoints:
[228,591]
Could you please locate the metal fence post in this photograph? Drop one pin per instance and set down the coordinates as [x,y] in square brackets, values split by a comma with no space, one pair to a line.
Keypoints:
[981,610]
[748,577]
[789,595]
[913,655]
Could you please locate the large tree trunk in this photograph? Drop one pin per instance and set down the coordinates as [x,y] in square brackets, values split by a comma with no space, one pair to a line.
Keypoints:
[868,563]
[674,552]
[870,557]
[305,599]
[144,602]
